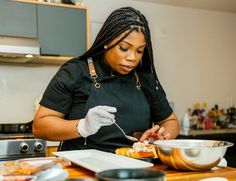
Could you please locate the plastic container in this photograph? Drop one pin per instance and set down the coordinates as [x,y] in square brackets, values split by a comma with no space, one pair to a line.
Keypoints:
[34,165]
[18,178]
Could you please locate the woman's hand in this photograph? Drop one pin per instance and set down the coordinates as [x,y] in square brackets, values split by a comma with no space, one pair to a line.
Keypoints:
[155,133]
[96,118]
[167,129]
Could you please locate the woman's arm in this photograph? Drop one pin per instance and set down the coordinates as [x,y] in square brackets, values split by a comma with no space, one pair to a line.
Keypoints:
[166,129]
[51,125]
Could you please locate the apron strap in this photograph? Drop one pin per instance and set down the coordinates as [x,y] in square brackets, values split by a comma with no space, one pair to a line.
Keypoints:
[94,76]
[138,84]
[93,73]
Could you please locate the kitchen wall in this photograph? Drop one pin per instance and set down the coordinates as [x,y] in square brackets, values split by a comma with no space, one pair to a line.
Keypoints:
[194,50]
[194,54]
[20,86]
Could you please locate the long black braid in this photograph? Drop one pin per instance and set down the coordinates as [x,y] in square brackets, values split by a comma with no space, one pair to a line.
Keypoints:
[119,21]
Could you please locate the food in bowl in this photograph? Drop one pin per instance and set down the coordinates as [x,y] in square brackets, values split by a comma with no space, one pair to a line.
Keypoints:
[139,150]
[191,154]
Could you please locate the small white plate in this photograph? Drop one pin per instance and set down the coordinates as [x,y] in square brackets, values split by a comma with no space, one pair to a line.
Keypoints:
[97,161]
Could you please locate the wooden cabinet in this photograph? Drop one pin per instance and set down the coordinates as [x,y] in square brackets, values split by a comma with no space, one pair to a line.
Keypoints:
[50,150]
[18,19]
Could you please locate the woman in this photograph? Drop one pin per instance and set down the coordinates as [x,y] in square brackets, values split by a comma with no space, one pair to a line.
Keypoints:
[113,82]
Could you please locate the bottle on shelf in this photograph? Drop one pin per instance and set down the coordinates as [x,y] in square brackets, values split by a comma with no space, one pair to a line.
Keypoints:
[186,121]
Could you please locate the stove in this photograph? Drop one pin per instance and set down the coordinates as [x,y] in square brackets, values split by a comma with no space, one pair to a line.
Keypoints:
[19,143]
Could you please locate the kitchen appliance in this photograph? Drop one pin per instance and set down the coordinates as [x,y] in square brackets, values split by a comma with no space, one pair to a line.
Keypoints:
[16,128]
[18,49]
[17,141]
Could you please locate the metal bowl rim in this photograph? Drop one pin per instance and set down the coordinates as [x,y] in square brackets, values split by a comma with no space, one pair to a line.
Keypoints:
[161,143]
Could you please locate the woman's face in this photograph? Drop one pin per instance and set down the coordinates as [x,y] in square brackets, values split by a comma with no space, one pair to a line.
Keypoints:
[125,56]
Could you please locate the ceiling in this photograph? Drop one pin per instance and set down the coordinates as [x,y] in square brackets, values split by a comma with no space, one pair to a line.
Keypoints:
[217,5]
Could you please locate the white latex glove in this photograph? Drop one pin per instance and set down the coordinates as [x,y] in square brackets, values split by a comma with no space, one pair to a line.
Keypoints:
[96,118]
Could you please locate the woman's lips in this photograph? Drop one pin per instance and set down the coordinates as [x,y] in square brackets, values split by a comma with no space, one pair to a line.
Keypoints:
[126,68]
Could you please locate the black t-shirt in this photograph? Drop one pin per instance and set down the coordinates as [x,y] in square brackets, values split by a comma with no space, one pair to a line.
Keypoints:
[70,89]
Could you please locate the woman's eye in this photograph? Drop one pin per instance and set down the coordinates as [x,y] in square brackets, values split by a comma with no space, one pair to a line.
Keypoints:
[140,51]
[123,49]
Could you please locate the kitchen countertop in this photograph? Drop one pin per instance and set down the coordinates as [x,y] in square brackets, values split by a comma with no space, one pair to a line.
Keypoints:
[171,175]
[83,174]
[207,132]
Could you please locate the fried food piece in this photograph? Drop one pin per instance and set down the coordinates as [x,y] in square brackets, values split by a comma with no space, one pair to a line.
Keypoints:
[122,151]
[138,150]
[9,163]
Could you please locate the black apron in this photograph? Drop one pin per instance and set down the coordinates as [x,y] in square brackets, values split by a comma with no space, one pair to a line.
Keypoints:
[133,113]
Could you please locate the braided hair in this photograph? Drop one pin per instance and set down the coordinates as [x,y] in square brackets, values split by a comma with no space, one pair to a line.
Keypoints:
[121,20]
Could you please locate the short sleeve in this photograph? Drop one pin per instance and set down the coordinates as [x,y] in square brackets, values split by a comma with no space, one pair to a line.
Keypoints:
[159,105]
[58,94]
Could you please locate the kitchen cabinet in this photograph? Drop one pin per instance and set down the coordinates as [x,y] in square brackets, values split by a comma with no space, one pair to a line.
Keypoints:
[61,30]
[18,19]
[50,150]
[52,146]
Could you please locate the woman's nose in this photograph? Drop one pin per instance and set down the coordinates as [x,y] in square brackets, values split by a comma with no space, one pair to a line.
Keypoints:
[131,56]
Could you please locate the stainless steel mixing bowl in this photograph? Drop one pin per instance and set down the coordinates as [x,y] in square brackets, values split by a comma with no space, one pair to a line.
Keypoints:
[190,154]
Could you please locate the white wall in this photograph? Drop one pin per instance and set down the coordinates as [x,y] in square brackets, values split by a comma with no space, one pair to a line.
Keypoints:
[194,51]
[20,85]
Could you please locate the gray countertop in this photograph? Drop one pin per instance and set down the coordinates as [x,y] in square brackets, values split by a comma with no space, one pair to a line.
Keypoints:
[207,132]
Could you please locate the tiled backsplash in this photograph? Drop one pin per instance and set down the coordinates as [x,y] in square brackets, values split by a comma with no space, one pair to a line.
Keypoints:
[20,85]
